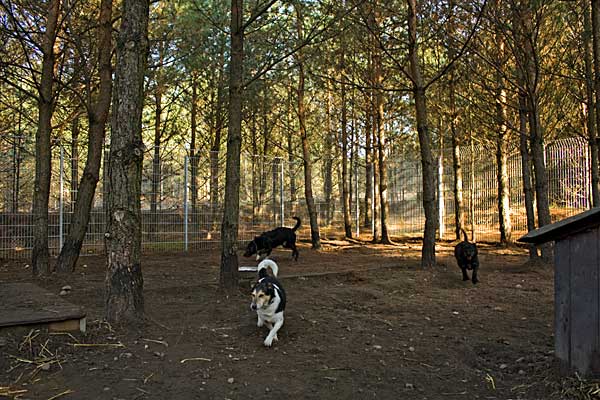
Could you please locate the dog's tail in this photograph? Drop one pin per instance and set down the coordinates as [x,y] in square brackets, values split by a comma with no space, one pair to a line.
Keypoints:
[298,222]
[264,264]
[464,234]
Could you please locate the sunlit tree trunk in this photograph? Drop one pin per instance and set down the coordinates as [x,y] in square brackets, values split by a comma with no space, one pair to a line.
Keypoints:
[43,155]
[97,117]
[124,281]
[593,133]
[308,192]
[427,161]
[228,276]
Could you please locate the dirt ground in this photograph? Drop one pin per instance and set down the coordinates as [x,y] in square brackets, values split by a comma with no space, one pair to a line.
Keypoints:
[362,322]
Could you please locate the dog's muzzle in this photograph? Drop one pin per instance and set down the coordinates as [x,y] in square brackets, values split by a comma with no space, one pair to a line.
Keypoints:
[253,306]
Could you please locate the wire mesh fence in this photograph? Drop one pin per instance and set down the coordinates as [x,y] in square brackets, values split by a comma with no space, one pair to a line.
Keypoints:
[182,196]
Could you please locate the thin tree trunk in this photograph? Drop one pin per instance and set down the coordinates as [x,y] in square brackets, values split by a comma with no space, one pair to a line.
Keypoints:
[74,159]
[328,161]
[382,159]
[290,149]
[501,152]
[526,170]
[43,155]
[155,195]
[593,133]
[216,143]
[194,156]
[345,181]
[427,162]
[308,192]
[228,277]
[459,213]
[368,162]
[97,117]
[124,281]
[531,70]
[16,166]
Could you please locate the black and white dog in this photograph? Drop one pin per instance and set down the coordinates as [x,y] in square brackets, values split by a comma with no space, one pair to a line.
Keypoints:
[265,243]
[466,257]
[268,300]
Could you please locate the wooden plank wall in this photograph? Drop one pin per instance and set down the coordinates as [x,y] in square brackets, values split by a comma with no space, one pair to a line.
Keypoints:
[577,303]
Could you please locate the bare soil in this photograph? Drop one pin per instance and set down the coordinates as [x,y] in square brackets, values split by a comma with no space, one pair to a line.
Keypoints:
[362,322]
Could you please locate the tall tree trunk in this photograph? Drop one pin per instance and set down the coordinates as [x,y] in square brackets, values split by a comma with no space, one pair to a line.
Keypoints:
[124,281]
[368,162]
[328,160]
[308,192]
[345,181]
[381,149]
[529,60]
[155,195]
[526,170]
[215,149]
[593,133]
[502,150]
[17,166]
[228,276]
[74,159]
[194,156]
[97,117]
[459,213]
[290,147]
[43,155]
[427,162]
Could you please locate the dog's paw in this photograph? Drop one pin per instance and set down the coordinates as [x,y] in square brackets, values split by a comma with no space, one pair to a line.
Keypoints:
[268,341]
[260,323]
[475,280]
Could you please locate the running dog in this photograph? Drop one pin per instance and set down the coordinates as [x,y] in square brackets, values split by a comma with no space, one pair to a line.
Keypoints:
[265,243]
[466,257]
[268,300]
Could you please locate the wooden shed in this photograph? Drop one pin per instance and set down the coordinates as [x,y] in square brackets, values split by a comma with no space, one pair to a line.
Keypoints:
[577,290]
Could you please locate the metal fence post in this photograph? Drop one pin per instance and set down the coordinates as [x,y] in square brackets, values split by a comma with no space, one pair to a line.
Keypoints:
[60,198]
[185,203]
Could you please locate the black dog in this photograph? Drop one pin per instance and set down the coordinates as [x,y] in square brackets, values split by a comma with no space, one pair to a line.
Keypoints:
[263,245]
[466,257]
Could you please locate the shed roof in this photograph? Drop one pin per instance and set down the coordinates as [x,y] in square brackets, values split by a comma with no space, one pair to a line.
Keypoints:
[566,227]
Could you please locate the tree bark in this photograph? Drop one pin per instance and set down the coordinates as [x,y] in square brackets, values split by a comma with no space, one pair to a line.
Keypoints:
[368,162]
[215,148]
[344,133]
[529,61]
[328,160]
[427,162]
[97,117]
[43,155]
[228,276]
[502,150]
[459,213]
[526,170]
[124,281]
[194,156]
[593,133]
[74,159]
[307,162]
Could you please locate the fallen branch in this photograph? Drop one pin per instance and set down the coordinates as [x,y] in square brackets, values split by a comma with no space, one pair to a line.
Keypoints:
[68,391]
[97,344]
[195,359]
[157,341]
